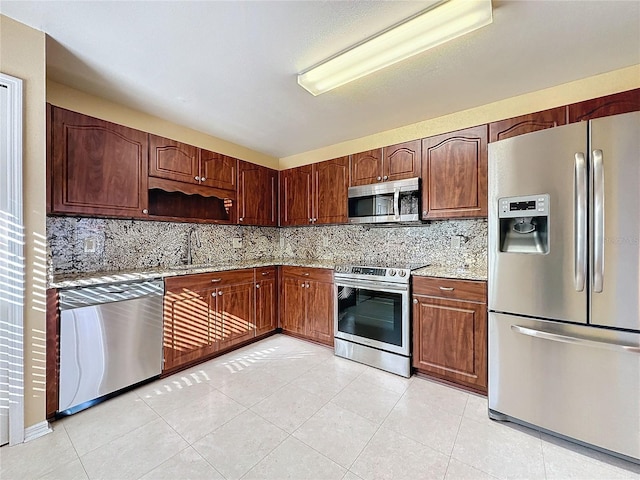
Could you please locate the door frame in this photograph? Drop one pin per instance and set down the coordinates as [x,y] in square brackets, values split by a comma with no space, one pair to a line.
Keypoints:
[11,214]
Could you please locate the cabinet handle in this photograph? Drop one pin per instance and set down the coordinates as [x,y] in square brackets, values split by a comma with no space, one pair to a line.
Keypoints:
[241,219]
[386,177]
[415,300]
[265,273]
[447,289]
[257,285]
[311,220]
[197,178]
[213,294]
[306,274]
[220,292]
[308,285]
[379,178]
[202,179]
[216,280]
[302,284]
[145,211]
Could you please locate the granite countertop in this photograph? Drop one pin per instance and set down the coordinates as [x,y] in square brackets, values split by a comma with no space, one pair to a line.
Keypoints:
[461,273]
[97,278]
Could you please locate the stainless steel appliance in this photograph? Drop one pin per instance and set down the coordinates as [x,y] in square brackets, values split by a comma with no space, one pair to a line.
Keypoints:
[372,316]
[387,202]
[564,282]
[110,338]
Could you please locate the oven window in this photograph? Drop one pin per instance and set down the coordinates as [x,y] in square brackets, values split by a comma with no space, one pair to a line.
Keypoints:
[370,314]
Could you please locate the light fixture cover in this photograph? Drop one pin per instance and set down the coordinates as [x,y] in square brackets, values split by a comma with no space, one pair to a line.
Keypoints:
[421,32]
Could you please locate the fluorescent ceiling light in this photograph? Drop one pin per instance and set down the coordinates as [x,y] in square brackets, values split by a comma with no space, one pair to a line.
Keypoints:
[421,32]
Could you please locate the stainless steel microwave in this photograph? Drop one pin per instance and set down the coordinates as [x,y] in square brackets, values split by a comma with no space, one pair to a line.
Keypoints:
[387,202]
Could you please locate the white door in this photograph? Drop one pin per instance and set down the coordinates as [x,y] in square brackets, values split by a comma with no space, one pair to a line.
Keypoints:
[11,261]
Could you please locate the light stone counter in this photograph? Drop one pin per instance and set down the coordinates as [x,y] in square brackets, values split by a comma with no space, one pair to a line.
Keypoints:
[464,273]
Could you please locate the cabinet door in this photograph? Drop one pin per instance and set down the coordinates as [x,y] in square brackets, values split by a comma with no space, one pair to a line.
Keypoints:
[320,311]
[293,305]
[217,170]
[99,167]
[615,104]
[173,160]
[533,122]
[331,188]
[257,195]
[450,340]
[366,167]
[266,300]
[296,192]
[454,174]
[402,160]
[188,333]
[234,315]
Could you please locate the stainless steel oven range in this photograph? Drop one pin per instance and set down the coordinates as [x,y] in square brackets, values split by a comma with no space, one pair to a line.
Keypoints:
[372,316]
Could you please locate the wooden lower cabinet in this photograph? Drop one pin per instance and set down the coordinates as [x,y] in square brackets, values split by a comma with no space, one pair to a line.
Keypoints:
[207,313]
[450,330]
[266,300]
[307,303]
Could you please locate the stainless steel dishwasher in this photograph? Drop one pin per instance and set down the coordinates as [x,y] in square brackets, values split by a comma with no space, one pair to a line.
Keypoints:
[110,338]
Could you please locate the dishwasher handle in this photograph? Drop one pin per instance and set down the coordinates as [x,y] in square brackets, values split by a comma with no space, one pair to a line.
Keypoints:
[107,293]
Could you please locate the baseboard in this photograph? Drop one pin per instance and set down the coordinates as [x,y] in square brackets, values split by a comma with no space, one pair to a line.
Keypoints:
[36,431]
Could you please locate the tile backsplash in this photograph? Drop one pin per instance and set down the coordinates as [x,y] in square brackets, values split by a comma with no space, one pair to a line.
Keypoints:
[136,244]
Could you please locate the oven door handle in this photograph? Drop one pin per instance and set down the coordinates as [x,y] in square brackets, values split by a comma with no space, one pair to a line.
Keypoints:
[372,285]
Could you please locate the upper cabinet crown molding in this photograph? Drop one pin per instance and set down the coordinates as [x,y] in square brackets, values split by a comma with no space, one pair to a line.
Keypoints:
[615,104]
[532,122]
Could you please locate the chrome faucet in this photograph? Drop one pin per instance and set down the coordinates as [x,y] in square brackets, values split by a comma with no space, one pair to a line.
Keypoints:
[189,259]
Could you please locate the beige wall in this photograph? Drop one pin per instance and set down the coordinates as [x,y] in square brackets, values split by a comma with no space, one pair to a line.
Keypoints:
[22,55]
[67,97]
[592,87]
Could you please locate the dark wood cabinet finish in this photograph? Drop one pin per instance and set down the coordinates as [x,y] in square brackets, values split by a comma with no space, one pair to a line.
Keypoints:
[366,167]
[315,194]
[218,170]
[257,195]
[53,353]
[450,330]
[402,161]
[532,122]
[99,168]
[266,300]
[173,160]
[296,192]
[205,314]
[307,303]
[454,174]
[615,104]
[331,185]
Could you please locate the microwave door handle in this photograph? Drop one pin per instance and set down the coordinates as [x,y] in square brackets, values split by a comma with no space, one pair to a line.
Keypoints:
[396,203]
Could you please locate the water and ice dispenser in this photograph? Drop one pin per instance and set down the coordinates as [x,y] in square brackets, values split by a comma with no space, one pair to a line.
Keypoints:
[524,224]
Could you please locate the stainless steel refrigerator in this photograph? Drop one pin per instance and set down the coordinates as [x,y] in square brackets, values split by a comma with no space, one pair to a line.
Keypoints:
[564,282]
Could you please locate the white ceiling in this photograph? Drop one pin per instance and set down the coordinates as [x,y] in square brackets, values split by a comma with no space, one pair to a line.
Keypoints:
[229,68]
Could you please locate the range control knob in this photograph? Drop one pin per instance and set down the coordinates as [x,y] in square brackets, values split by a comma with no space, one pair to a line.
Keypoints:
[392,272]
[402,273]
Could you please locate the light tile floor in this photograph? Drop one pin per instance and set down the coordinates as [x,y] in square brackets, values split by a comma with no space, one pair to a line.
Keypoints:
[288,409]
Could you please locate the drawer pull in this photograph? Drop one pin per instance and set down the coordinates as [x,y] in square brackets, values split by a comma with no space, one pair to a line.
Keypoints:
[216,280]
[306,274]
[447,289]
[265,273]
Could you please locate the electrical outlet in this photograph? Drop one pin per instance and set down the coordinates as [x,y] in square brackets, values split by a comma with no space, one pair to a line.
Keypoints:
[325,241]
[455,241]
[282,242]
[237,243]
[90,245]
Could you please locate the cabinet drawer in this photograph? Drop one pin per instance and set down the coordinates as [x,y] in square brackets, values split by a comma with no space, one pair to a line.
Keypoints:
[471,290]
[213,279]
[316,274]
[265,273]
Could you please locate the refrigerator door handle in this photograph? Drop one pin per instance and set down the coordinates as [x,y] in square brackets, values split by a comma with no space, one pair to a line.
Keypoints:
[598,221]
[556,337]
[580,221]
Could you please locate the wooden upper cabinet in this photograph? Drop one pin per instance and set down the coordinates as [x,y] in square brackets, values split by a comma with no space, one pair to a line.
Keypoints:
[623,102]
[296,190]
[257,195]
[402,161]
[454,174]
[331,185]
[99,168]
[366,167]
[532,122]
[173,160]
[218,170]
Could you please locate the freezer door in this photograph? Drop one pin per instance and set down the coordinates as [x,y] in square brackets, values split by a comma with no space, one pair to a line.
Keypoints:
[541,285]
[578,381]
[615,221]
